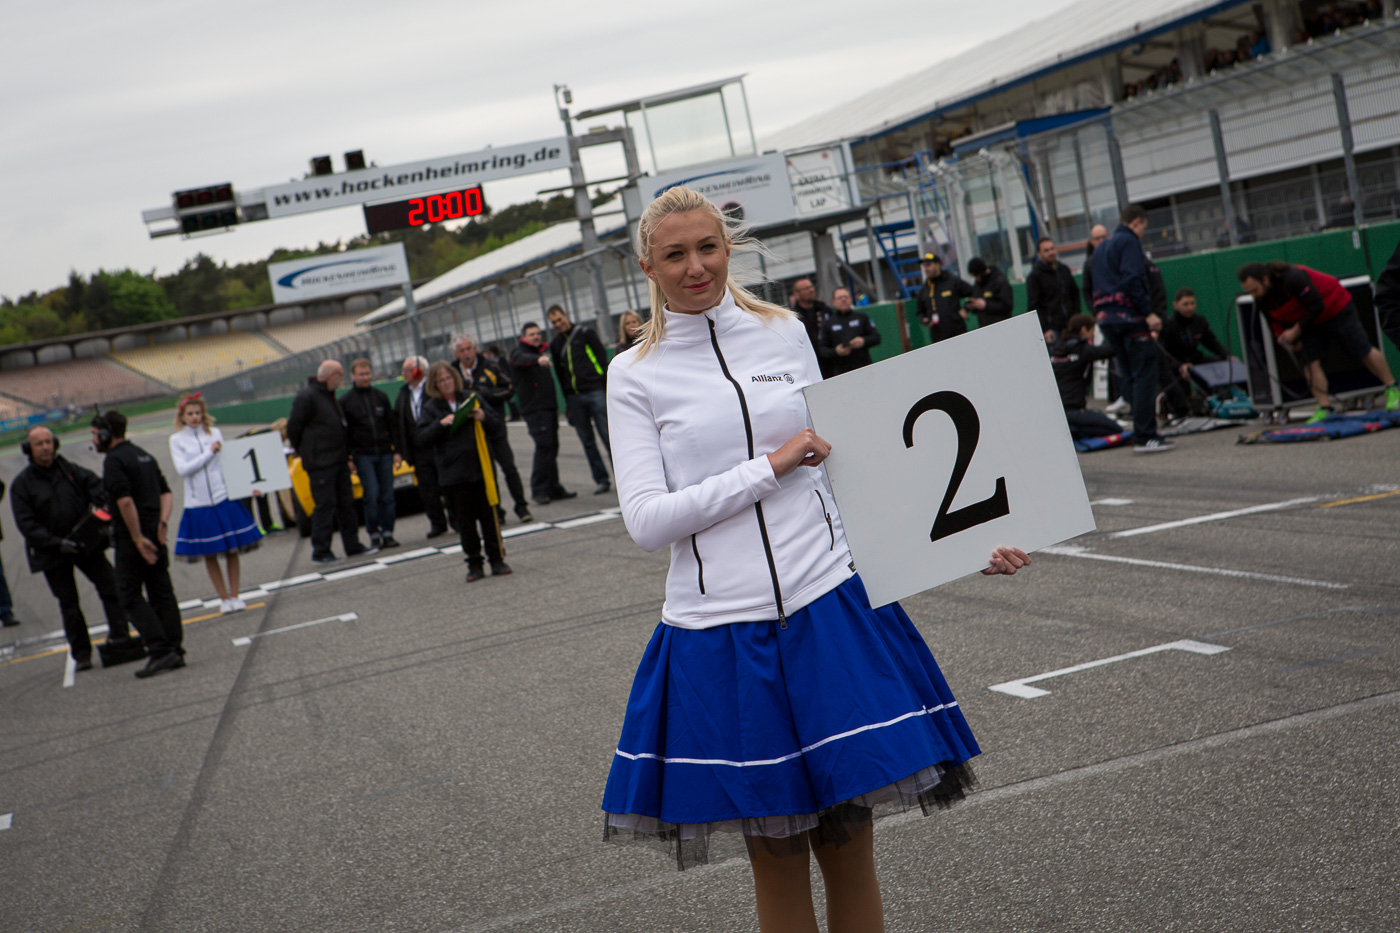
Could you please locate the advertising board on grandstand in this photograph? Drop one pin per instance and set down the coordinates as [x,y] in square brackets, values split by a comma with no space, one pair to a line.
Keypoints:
[755,190]
[429,176]
[301,280]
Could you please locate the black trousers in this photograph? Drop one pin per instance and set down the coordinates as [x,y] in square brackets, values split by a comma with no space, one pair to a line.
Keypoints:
[505,459]
[149,599]
[470,508]
[430,490]
[335,501]
[544,474]
[65,589]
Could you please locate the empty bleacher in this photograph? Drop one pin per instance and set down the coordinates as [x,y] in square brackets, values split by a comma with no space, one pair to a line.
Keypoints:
[313,332]
[190,363]
[84,382]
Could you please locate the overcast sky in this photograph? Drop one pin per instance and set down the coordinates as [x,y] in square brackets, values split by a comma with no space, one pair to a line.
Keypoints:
[106,108]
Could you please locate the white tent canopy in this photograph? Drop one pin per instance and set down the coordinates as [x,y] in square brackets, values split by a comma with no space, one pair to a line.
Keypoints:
[1081,31]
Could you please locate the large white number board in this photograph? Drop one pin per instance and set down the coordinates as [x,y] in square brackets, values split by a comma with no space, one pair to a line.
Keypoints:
[941,455]
[254,463]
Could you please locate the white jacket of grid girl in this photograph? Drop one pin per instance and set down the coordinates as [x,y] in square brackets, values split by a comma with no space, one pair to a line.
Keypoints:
[204,477]
[691,424]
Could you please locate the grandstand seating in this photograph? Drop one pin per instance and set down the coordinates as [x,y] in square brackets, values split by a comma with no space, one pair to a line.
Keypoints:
[95,381]
[190,363]
[9,408]
[314,332]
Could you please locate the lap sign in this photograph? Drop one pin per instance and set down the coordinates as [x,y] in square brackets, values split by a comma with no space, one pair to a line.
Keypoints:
[254,463]
[940,455]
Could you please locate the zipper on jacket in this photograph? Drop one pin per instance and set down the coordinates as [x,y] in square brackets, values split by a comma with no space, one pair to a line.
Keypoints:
[827,515]
[757,506]
[700,564]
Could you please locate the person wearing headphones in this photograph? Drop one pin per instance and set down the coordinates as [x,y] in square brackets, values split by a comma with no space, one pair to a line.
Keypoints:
[50,498]
[142,500]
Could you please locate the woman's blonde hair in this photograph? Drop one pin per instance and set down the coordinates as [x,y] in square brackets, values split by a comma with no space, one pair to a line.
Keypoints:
[206,420]
[431,386]
[683,200]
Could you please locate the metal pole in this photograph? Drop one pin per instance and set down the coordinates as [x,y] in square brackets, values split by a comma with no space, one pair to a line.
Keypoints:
[411,309]
[1115,162]
[1339,92]
[1222,169]
[584,209]
[876,272]
[1083,185]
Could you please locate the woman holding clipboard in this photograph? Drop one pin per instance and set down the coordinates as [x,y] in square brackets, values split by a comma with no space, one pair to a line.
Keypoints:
[774,708]
[452,427]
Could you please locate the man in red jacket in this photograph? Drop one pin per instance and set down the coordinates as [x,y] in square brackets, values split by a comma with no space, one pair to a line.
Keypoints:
[1309,311]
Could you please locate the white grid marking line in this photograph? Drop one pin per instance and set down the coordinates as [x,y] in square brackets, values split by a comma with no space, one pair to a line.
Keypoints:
[1020,688]
[1217,516]
[1074,551]
[248,639]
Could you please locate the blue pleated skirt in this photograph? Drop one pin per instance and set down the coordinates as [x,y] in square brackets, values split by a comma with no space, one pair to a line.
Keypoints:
[216,529]
[757,734]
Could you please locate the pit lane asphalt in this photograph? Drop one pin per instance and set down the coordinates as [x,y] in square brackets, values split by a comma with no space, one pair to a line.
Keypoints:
[436,764]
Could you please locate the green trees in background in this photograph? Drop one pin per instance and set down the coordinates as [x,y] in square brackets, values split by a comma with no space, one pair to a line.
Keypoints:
[125,298]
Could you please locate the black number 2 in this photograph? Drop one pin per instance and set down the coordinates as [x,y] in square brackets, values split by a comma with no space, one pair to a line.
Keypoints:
[259,478]
[969,428]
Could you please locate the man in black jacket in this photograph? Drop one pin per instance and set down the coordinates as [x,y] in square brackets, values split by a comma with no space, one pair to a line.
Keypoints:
[813,313]
[1072,358]
[370,433]
[846,336]
[493,386]
[534,381]
[7,603]
[1097,234]
[48,498]
[408,406]
[581,361]
[940,303]
[1180,340]
[316,430]
[994,300]
[141,503]
[1050,290]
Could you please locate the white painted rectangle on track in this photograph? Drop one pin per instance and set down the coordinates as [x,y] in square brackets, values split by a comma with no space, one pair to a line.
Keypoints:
[5,820]
[293,581]
[588,520]
[409,555]
[519,530]
[353,571]
[248,639]
[1021,688]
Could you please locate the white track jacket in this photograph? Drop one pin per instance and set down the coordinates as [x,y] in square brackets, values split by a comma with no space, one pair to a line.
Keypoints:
[204,477]
[691,426]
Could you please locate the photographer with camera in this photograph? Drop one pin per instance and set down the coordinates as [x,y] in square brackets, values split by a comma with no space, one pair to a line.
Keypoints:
[53,502]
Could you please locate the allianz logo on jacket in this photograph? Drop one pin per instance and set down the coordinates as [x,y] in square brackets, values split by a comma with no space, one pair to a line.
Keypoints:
[785,377]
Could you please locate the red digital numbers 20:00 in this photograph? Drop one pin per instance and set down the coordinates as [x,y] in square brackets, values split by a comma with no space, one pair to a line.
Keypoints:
[436,208]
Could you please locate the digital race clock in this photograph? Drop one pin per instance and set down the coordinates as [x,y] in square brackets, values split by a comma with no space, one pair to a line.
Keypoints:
[430,209]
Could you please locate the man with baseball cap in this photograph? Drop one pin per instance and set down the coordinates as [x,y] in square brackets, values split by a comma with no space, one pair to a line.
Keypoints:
[939,304]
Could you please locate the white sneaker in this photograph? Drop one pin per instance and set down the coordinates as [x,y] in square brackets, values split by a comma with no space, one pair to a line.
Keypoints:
[238,604]
[226,606]
[1119,406]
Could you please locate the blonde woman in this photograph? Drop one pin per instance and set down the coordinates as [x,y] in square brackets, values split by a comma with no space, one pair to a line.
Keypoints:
[629,330]
[212,524]
[773,707]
